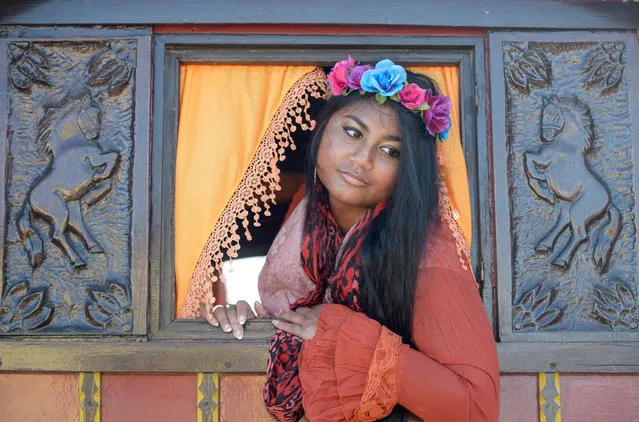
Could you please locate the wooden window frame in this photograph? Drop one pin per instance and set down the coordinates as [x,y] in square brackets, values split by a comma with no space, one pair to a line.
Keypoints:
[172,50]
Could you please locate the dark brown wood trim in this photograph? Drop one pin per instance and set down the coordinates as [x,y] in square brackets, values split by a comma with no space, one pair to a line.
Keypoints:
[297,29]
[464,13]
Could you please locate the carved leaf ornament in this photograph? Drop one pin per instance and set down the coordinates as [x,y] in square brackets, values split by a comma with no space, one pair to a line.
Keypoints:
[112,69]
[535,312]
[616,307]
[110,310]
[24,309]
[28,66]
[526,65]
[605,66]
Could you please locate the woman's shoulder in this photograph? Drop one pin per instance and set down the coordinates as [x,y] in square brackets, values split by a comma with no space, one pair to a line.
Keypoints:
[443,249]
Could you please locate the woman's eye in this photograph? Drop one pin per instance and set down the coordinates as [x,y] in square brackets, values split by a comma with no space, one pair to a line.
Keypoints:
[353,133]
[390,151]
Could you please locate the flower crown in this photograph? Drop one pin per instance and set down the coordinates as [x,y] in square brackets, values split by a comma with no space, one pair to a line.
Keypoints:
[388,81]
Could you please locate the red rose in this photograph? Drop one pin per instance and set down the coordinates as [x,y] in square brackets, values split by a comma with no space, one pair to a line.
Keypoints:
[412,96]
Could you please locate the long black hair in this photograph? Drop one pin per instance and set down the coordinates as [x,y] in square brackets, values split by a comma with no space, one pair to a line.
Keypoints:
[395,243]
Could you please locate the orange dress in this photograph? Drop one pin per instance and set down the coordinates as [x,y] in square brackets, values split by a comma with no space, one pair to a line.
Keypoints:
[356,369]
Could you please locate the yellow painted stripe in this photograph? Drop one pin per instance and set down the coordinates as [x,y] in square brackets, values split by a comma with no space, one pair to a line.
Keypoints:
[200,396]
[96,396]
[215,398]
[557,399]
[542,400]
[543,379]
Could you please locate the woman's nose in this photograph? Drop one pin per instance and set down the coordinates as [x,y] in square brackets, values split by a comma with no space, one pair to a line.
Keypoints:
[362,156]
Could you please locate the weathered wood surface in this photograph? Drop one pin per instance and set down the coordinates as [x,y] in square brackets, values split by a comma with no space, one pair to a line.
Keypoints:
[250,356]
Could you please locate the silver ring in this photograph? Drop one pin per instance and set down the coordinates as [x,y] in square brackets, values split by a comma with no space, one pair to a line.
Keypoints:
[215,307]
[228,306]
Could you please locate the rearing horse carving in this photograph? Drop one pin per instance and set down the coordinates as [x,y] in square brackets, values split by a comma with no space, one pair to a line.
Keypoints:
[78,169]
[558,172]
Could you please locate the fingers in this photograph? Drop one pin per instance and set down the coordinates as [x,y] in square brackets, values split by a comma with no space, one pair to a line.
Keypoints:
[295,317]
[219,312]
[244,311]
[262,312]
[210,316]
[289,327]
[238,330]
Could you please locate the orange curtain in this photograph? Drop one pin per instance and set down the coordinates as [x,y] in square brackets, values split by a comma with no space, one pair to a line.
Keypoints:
[225,111]
[450,151]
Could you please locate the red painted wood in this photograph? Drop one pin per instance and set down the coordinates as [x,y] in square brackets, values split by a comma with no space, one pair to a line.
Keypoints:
[519,398]
[241,398]
[149,397]
[318,30]
[27,397]
[596,398]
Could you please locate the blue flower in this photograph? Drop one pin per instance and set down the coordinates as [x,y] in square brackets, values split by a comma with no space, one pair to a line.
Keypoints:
[387,78]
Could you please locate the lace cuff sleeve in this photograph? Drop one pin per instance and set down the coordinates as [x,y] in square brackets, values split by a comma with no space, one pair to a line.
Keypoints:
[348,370]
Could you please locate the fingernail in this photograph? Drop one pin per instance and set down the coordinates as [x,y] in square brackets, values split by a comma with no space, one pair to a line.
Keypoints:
[241,320]
[275,322]
[215,323]
[238,335]
[227,328]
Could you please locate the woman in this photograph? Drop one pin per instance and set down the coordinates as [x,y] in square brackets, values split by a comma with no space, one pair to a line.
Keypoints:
[380,318]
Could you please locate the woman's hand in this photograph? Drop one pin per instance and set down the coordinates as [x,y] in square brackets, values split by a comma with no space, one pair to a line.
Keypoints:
[233,317]
[301,322]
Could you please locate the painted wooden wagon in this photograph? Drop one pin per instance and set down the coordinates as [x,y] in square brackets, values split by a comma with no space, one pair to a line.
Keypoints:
[99,197]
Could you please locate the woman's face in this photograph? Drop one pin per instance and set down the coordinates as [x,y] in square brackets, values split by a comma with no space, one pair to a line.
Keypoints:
[359,153]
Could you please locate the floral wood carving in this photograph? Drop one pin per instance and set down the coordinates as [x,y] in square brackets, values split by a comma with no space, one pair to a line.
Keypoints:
[535,311]
[605,66]
[24,309]
[570,183]
[525,65]
[112,69]
[68,184]
[616,306]
[28,66]
[110,310]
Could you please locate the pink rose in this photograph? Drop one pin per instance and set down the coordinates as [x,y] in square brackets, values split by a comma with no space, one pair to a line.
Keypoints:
[338,80]
[356,76]
[412,96]
[437,117]
[338,77]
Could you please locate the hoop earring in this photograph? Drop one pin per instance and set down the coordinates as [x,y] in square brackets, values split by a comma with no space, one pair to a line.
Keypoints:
[315,176]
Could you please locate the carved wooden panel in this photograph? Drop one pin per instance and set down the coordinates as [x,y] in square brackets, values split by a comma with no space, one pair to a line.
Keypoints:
[565,132]
[75,174]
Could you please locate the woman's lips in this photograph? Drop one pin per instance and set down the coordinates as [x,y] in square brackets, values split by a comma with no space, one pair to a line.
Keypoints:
[353,179]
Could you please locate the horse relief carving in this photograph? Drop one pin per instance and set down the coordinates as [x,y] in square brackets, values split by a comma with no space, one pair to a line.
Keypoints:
[78,170]
[558,173]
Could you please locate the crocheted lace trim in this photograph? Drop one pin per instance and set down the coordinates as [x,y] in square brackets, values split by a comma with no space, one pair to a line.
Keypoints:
[256,191]
[380,393]
[450,215]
